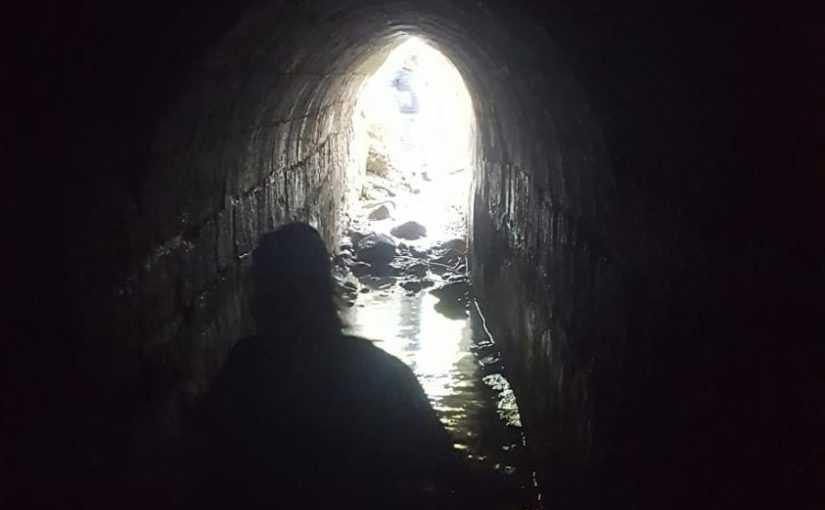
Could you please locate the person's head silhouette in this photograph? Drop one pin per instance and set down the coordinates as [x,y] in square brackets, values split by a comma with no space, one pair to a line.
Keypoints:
[293,285]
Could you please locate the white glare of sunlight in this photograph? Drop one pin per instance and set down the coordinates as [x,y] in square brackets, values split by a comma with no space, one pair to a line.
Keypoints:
[426,132]
[414,332]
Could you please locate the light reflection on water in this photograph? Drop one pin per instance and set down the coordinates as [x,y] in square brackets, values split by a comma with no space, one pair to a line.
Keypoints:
[434,347]
[474,402]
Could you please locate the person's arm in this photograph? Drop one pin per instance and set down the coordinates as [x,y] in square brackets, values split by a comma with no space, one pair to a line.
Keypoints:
[432,443]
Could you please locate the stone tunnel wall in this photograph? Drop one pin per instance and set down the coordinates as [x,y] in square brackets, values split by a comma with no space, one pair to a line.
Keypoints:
[542,266]
[262,135]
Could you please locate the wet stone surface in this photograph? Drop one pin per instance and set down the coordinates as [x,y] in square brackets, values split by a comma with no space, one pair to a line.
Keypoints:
[409,230]
[376,249]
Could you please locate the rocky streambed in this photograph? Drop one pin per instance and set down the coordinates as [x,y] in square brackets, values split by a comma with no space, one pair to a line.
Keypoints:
[374,261]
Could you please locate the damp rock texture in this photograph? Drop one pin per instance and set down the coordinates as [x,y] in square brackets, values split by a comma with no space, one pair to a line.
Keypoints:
[643,233]
[409,230]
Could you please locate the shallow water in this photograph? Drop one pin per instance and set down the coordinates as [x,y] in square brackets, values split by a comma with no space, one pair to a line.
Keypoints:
[460,369]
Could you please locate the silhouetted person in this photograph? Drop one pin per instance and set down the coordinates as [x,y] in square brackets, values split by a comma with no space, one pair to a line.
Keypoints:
[302,414]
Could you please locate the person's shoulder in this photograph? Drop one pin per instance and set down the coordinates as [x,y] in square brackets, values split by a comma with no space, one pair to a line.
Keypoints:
[371,353]
[361,345]
[384,372]
[245,344]
[250,348]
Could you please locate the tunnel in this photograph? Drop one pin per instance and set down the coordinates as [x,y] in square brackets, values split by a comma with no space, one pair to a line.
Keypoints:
[645,229]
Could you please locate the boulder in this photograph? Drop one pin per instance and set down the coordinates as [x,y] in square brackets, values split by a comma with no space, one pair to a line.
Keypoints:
[452,309]
[456,291]
[409,230]
[454,298]
[382,212]
[376,249]
[409,266]
[417,268]
[448,257]
[457,244]
[360,268]
[383,270]
[414,286]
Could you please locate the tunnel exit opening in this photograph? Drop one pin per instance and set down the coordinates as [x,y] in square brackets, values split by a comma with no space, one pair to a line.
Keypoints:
[414,127]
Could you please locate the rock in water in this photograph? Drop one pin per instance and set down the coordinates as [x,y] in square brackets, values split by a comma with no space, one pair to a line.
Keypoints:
[418,269]
[458,245]
[408,266]
[360,268]
[453,291]
[382,212]
[448,257]
[376,249]
[452,309]
[409,230]
[453,299]
[416,285]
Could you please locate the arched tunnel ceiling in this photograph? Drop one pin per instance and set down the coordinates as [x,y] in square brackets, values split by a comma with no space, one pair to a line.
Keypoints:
[264,73]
